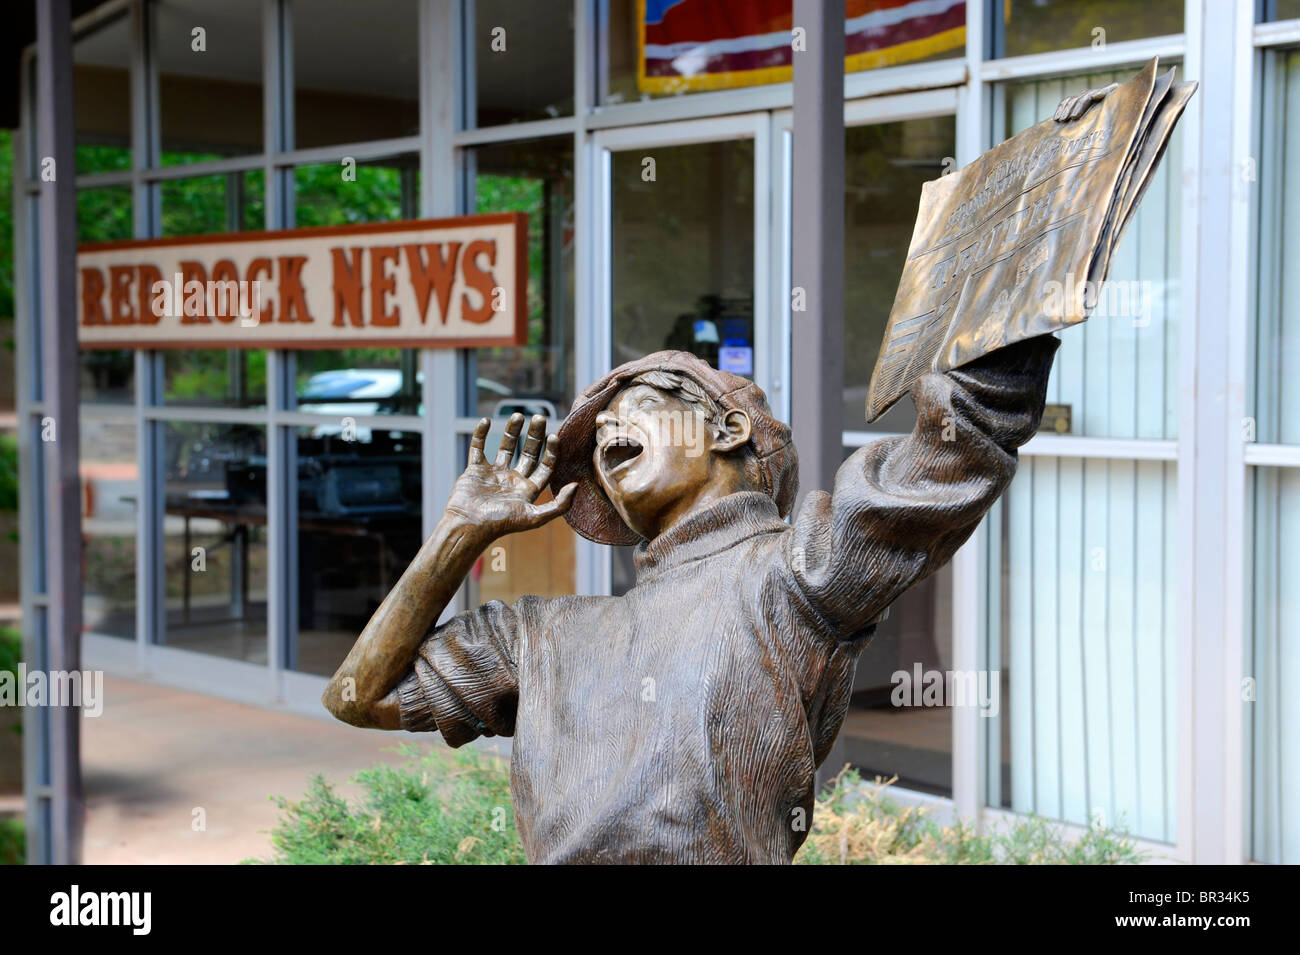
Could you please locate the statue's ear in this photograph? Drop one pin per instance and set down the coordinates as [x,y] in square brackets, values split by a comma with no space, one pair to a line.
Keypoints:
[734,431]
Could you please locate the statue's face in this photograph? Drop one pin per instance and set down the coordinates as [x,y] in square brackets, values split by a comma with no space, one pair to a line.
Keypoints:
[653,451]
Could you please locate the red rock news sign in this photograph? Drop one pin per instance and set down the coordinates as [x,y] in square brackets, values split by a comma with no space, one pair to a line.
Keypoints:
[432,283]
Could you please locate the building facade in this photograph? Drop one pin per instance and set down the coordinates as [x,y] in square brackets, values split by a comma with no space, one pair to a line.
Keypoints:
[1130,603]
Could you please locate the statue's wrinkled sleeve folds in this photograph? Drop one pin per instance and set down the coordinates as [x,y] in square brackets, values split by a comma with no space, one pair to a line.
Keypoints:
[464,682]
[902,506]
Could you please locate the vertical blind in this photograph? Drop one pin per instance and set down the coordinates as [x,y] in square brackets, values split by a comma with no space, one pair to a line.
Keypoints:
[1082,621]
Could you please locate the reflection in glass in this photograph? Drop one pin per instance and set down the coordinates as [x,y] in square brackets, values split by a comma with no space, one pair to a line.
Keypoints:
[663,49]
[1118,372]
[1082,635]
[359,523]
[102,93]
[356,71]
[214,573]
[110,494]
[205,205]
[885,166]
[683,263]
[230,202]
[900,715]
[534,177]
[1275,369]
[209,85]
[523,61]
[350,382]
[382,191]
[1039,26]
[1281,10]
[104,214]
[683,253]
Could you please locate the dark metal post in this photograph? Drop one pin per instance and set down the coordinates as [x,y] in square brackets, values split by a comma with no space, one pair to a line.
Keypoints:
[817,242]
[817,254]
[54,822]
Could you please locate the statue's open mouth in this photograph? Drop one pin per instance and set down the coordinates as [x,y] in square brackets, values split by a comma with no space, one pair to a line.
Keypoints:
[620,451]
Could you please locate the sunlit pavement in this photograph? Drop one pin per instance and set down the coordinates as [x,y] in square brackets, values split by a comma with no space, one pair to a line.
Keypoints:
[157,754]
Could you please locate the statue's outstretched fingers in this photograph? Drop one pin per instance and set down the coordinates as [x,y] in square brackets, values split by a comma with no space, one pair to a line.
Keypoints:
[477,441]
[536,435]
[542,474]
[509,440]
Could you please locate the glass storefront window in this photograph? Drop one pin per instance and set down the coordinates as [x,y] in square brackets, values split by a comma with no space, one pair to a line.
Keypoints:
[899,721]
[1083,643]
[523,61]
[209,78]
[884,168]
[346,382]
[229,202]
[102,97]
[534,177]
[669,47]
[207,205]
[214,572]
[375,191]
[356,71]
[1272,709]
[1280,10]
[1117,373]
[107,374]
[110,494]
[1040,26]
[359,523]
[1276,354]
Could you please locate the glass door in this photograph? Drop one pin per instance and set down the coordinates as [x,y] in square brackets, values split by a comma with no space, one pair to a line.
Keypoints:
[685,238]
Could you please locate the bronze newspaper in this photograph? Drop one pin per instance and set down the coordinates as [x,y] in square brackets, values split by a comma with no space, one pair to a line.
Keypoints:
[1048,205]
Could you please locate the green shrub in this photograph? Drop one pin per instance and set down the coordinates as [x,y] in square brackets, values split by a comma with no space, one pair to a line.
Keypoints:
[11,649]
[453,806]
[444,806]
[13,841]
[857,825]
[8,472]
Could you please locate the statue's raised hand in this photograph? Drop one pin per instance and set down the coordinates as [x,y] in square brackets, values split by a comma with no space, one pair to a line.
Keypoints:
[1072,107]
[497,499]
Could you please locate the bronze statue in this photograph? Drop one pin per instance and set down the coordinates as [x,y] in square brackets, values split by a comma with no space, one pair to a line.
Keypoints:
[684,721]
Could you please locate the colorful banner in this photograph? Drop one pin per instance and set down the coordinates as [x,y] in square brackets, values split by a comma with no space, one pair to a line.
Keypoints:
[689,45]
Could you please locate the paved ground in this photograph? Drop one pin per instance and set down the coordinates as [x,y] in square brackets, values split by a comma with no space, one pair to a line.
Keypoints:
[157,753]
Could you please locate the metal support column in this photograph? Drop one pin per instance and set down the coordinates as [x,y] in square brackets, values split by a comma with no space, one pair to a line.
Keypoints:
[53,639]
[817,252]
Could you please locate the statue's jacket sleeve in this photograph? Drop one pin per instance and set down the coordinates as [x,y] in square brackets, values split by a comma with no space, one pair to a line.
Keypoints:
[464,682]
[902,506]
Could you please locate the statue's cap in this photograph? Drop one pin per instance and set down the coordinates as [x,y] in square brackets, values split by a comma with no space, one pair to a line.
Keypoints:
[592,515]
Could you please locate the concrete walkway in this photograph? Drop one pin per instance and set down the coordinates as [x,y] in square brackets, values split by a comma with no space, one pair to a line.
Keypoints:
[157,753]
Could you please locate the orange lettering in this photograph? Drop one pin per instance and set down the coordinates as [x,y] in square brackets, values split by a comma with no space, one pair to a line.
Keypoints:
[382,284]
[347,286]
[479,280]
[439,275]
[148,275]
[266,313]
[293,301]
[92,291]
[119,295]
